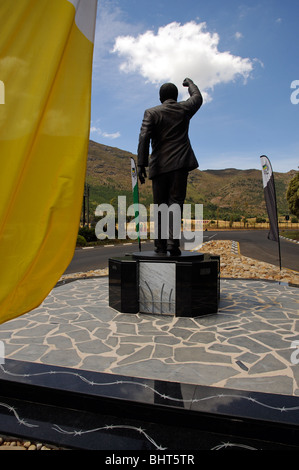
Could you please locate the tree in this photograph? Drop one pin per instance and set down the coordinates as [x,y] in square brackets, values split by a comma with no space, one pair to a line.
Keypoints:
[293,196]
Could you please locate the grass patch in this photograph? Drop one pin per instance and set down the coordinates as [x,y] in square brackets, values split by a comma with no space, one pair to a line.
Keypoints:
[293,235]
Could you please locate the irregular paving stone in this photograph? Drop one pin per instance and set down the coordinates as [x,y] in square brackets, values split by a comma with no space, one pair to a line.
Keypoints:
[204,337]
[80,316]
[69,358]
[135,339]
[57,320]
[193,373]
[112,341]
[41,318]
[102,333]
[170,340]
[198,354]
[30,353]
[180,332]
[148,328]
[138,356]
[36,331]
[125,328]
[212,320]
[127,318]
[280,384]
[60,341]
[161,350]
[224,348]
[287,354]
[10,328]
[24,340]
[11,349]
[270,313]
[91,325]
[127,349]
[267,364]
[259,326]
[137,369]
[248,358]
[249,344]
[231,333]
[97,363]
[184,322]
[101,313]
[272,340]
[79,335]
[93,347]
[295,370]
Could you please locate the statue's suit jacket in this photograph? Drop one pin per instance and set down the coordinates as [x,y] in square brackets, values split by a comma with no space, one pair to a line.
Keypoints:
[166,128]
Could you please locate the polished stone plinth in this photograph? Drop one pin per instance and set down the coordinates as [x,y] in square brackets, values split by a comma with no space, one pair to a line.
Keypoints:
[157,288]
[123,282]
[87,410]
[147,282]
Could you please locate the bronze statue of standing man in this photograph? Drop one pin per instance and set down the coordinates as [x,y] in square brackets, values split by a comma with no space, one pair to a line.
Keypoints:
[166,128]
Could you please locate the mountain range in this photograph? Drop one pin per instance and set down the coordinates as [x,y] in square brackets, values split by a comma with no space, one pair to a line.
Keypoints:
[224,193]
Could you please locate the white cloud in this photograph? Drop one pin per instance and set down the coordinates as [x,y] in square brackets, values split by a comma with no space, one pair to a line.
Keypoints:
[98,131]
[114,135]
[238,35]
[178,51]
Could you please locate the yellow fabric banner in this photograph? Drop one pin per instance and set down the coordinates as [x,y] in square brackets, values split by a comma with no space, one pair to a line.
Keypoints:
[46,49]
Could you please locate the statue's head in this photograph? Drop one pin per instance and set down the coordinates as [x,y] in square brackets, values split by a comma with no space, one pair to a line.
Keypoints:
[168,91]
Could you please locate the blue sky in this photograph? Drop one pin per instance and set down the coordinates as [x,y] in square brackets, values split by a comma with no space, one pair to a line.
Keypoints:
[244,57]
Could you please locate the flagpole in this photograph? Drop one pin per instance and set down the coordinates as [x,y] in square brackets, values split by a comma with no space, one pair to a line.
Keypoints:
[279,251]
[135,198]
[277,225]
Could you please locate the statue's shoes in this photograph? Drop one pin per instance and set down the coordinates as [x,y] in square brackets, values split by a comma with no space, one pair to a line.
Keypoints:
[175,251]
[160,250]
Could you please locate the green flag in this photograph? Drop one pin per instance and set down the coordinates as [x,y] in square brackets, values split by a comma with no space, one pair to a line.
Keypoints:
[135,197]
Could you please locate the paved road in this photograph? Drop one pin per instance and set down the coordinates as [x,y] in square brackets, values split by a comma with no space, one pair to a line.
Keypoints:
[253,244]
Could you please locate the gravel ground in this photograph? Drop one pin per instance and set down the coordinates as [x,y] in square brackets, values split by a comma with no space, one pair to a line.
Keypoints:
[233,265]
[11,443]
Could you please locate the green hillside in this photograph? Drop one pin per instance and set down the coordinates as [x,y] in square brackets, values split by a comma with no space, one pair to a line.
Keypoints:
[223,193]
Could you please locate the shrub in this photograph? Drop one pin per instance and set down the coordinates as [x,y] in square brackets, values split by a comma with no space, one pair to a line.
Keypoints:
[293,196]
[88,234]
[81,241]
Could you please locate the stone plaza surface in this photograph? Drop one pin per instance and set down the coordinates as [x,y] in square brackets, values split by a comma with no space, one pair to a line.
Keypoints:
[247,345]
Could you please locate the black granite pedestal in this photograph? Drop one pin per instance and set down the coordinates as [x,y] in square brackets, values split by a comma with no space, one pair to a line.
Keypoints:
[86,410]
[187,285]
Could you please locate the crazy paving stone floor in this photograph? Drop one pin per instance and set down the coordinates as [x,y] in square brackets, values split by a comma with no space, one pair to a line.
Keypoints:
[250,344]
